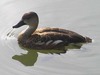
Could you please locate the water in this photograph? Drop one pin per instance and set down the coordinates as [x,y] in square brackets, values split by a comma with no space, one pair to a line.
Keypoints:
[82,16]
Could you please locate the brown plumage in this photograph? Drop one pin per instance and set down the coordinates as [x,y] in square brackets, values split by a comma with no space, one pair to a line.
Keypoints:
[46,38]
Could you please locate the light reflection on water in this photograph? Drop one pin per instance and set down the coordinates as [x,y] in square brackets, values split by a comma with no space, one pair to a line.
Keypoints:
[80,16]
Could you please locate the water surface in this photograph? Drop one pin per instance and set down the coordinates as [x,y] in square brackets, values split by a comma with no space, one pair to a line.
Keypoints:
[82,16]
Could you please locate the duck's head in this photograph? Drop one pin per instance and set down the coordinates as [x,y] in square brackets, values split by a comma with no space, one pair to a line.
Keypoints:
[30,19]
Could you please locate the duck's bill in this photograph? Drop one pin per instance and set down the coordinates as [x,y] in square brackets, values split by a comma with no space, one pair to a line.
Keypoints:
[21,23]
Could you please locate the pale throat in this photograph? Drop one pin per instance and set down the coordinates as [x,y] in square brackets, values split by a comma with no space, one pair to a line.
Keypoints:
[30,30]
[33,24]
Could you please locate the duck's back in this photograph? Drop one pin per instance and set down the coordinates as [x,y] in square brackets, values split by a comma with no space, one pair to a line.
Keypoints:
[62,34]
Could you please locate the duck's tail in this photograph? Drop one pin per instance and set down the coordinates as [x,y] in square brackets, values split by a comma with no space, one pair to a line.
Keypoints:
[88,40]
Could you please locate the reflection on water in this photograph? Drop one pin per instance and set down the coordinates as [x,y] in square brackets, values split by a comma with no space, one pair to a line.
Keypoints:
[31,57]
[27,59]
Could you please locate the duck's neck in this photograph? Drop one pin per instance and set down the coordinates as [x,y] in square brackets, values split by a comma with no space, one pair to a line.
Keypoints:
[29,31]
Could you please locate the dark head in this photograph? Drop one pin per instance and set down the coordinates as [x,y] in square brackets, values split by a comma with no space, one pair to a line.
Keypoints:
[30,19]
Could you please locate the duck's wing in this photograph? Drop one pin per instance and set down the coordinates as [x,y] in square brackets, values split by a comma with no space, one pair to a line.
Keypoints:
[59,30]
[51,40]
[57,38]
[60,34]
[71,36]
[56,30]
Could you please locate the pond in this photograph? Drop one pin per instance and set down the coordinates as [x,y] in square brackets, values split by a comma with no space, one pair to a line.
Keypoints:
[81,16]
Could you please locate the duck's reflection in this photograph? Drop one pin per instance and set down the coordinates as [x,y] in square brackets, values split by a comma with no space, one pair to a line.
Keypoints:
[27,59]
[30,58]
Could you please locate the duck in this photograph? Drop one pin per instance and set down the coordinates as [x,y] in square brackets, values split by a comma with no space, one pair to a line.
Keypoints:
[45,38]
